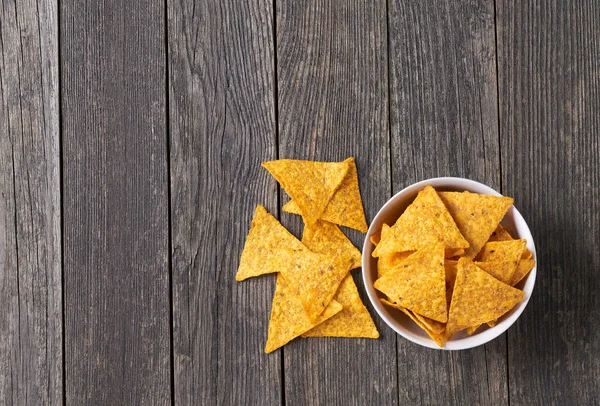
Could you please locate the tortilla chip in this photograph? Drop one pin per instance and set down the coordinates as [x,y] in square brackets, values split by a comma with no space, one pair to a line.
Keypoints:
[471,330]
[326,238]
[500,234]
[439,338]
[434,326]
[390,261]
[451,252]
[476,215]
[527,254]
[502,251]
[345,208]
[310,184]
[501,270]
[425,221]
[265,238]
[478,298]
[353,321]
[450,268]
[315,278]
[524,267]
[376,237]
[288,319]
[418,283]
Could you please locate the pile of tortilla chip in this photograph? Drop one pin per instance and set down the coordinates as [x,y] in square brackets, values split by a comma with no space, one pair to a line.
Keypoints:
[315,295]
[448,263]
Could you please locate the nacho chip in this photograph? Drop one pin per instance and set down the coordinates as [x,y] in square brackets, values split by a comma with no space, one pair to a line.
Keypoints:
[315,277]
[500,234]
[450,269]
[471,330]
[439,338]
[353,321]
[454,252]
[345,208]
[524,267]
[502,251]
[326,238]
[310,184]
[390,261]
[288,319]
[478,298]
[501,270]
[434,326]
[265,238]
[425,221]
[376,237]
[527,254]
[418,283]
[476,215]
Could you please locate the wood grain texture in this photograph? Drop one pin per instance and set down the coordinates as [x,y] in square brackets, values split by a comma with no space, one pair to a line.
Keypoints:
[549,77]
[30,246]
[444,122]
[222,126]
[332,79]
[115,204]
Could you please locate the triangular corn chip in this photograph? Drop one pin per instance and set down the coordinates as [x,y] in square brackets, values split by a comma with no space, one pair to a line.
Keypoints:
[476,215]
[345,207]
[478,298]
[353,321]
[310,184]
[432,325]
[425,221]
[438,337]
[265,237]
[388,262]
[524,267]
[418,283]
[501,270]
[502,251]
[315,277]
[471,330]
[500,234]
[288,319]
[451,268]
[326,238]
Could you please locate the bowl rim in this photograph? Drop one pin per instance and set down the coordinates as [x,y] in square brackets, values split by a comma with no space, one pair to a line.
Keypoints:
[463,342]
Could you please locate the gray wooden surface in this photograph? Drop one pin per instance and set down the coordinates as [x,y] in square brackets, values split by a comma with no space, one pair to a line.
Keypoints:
[131,136]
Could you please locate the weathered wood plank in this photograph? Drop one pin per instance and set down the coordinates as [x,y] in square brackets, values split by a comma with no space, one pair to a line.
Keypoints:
[222,126]
[549,88]
[332,78]
[115,205]
[444,122]
[30,241]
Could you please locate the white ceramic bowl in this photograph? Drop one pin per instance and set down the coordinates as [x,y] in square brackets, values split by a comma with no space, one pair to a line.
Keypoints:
[399,322]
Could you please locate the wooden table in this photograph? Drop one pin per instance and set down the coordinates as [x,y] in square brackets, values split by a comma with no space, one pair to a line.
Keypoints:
[131,140]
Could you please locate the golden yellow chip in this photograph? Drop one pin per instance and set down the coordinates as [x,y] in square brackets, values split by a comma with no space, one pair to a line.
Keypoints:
[418,283]
[390,261]
[345,208]
[326,238]
[376,237]
[502,251]
[478,298]
[434,326]
[527,254]
[450,268]
[353,321]
[500,234]
[315,277]
[425,221]
[471,330]
[288,319]
[439,337]
[310,184]
[524,267]
[451,252]
[265,238]
[501,270]
[476,216]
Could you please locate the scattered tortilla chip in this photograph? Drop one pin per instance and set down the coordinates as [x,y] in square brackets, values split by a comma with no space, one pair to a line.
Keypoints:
[390,261]
[316,278]
[500,234]
[265,237]
[502,251]
[326,238]
[353,321]
[425,221]
[476,215]
[288,319]
[501,270]
[311,184]
[478,298]
[418,283]
[345,208]
[524,267]
[439,338]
